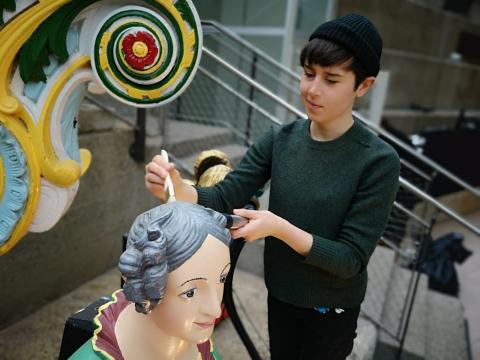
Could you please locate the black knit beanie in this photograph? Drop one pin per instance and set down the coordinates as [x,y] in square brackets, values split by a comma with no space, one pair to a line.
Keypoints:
[358,35]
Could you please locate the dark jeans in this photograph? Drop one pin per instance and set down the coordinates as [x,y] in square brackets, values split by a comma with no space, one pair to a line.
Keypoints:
[306,334]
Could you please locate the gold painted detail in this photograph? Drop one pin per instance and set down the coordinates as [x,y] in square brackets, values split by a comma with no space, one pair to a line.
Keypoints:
[86,160]
[12,37]
[103,46]
[140,49]
[59,172]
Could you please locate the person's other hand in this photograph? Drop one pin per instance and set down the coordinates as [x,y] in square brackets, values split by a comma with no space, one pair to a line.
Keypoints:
[156,172]
[261,223]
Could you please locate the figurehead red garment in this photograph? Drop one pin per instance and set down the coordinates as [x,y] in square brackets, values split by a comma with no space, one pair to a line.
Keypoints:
[104,340]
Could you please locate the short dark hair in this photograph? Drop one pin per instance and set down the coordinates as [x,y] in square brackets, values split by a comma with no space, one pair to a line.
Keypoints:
[327,53]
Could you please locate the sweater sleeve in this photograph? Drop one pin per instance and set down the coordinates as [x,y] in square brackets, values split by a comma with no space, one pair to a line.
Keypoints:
[241,184]
[364,223]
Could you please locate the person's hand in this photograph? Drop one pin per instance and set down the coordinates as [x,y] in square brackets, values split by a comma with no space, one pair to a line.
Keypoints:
[155,173]
[261,223]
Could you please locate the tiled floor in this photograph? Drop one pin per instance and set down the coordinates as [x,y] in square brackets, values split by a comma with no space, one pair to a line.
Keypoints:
[469,276]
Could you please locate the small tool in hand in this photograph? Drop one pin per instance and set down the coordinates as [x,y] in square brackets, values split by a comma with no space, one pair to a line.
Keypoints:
[168,186]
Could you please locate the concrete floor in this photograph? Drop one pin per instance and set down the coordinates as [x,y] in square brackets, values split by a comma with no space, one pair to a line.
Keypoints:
[38,336]
[469,275]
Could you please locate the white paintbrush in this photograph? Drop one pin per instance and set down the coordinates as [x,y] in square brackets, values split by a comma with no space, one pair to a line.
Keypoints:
[168,186]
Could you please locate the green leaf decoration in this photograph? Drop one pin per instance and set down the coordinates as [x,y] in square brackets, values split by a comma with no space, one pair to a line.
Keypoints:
[6,5]
[57,42]
[50,38]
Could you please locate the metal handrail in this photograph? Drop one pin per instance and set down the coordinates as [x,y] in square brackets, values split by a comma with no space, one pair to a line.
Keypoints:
[250,47]
[301,114]
[253,83]
[446,210]
[434,165]
[243,56]
[240,96]
[416,154]
[399,206]
[415,169]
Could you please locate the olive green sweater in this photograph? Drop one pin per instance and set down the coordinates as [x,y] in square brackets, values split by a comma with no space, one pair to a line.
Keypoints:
[341,191]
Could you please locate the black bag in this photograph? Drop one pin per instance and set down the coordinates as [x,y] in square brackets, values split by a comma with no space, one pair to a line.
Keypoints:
[439,262]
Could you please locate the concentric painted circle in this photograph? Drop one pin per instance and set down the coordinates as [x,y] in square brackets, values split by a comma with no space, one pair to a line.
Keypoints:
[145,57]
[155,67]
[139,49]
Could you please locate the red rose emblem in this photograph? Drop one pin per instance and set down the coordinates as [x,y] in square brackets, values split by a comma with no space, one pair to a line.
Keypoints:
[139,49]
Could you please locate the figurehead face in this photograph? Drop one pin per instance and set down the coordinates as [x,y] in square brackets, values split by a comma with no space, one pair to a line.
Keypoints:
[175,264]
[194,292]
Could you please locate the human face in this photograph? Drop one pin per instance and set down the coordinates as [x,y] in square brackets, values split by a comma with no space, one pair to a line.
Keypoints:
[194,293]
[328,93]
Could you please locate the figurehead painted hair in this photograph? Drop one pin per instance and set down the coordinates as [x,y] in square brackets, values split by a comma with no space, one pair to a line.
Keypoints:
[161,240]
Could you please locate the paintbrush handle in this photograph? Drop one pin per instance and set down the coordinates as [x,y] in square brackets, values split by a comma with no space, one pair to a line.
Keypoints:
[168,180]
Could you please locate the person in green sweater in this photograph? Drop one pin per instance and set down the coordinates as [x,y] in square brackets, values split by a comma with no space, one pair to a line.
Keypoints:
[332,187]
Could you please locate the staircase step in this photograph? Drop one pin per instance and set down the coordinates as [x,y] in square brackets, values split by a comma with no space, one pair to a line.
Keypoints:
[415,339]
[447,338]
[379,272]
[185,138]
[365,342]
[250,297]
[234,152]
